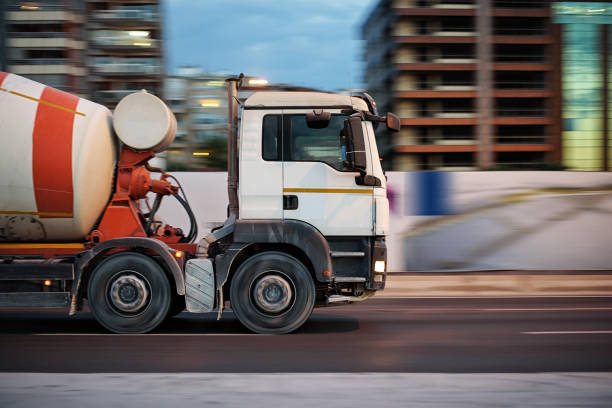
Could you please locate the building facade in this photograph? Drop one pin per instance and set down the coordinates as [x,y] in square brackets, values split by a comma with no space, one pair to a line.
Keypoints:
[124,53]
[586,62]
[44,41]
[101,50]
[477,83]
[199,103]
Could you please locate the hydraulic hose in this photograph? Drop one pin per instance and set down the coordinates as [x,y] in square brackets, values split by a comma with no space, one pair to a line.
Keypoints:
[193,228]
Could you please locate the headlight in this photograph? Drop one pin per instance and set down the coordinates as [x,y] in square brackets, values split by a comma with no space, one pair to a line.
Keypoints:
[379,266]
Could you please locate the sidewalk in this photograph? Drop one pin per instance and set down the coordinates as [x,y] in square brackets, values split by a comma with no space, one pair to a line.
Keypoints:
[499,283]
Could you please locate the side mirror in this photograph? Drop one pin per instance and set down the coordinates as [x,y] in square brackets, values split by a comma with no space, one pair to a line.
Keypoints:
[318,119]
[355,151]
[393,122]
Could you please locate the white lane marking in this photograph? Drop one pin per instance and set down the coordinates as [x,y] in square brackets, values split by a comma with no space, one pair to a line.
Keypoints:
[494,297]
[544,309]
[151,334]
[426,309]
[570,332]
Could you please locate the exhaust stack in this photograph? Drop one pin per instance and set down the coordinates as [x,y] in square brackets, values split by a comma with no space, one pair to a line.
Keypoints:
[232,146]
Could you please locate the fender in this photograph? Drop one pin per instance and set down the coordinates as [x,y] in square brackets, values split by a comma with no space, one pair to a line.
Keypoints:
[297,233]
[159,247]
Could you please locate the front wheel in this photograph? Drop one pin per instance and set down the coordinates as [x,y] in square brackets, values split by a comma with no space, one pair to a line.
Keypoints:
[273,293]
[129,293]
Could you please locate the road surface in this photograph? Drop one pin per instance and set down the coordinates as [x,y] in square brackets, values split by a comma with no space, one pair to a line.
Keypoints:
[436,335]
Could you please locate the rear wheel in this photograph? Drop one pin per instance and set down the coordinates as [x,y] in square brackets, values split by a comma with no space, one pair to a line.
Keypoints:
[272,292]
[129,293]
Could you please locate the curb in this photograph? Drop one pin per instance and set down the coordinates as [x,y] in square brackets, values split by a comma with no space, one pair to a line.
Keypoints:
[503,283]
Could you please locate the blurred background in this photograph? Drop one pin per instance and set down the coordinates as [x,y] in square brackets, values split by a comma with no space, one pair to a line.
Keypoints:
[479,84]
[482,87]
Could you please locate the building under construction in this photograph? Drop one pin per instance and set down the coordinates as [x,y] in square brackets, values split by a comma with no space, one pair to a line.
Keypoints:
[492,83]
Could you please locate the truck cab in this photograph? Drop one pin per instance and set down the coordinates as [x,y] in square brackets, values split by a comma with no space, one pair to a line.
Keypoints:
[311,206]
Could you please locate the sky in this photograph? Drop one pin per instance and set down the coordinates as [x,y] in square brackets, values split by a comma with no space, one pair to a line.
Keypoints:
[313,43]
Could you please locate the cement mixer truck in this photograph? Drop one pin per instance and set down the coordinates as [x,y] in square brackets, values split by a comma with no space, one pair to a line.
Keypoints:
[306,222]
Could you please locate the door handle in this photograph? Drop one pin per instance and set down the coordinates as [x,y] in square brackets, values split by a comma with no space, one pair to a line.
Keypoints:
[290,202]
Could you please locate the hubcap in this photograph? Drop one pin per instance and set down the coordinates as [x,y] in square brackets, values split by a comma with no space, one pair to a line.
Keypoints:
[129,293]
[272,293]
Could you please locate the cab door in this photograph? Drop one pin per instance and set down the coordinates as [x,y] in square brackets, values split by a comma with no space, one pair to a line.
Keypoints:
[317,187]
[261,168]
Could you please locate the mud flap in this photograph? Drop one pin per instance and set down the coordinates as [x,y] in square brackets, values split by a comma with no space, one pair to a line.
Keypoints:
[199,285]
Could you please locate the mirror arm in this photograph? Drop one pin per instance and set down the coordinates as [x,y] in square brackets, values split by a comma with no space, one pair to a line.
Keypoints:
[364,179]
[373,118]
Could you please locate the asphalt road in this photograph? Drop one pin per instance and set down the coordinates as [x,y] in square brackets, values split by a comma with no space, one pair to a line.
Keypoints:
[450,335]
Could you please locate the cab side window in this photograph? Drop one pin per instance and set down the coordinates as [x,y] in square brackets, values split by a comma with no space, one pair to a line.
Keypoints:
[271,149]
[288,138]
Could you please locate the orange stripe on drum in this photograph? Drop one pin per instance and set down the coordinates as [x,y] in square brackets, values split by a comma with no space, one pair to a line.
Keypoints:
[52,152]
[3,75]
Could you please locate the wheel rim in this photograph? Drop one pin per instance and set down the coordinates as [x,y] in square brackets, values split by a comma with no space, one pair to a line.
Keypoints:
[272,293]
[129,292]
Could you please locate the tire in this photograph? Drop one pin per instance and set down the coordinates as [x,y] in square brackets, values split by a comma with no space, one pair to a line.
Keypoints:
[129,293]
[272,293]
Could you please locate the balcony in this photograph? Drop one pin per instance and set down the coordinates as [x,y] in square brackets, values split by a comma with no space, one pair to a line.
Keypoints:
[132,43]
[423,66]
[520,4]
[127,69]
[411,56]
[409,32]
[454,5]
[516,30]
[114,95]
[433,116]
[505,57]
[520,85]
[451,87]
[425,86]
[38,34]
[520,8]
[459,114]
[435,94]
[523,112]
[521,135]
[452,32]
[534,59]
[122,15]
[40,61]
[434,7]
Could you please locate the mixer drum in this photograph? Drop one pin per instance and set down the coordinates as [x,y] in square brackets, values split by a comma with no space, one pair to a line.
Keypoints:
[56,164]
